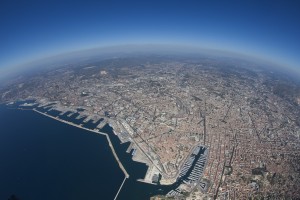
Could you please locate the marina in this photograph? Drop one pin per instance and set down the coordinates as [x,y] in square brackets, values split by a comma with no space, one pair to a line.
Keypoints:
[191,172]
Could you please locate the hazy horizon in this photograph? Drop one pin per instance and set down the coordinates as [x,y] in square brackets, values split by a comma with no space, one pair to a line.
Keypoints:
[128,50]
[33,30]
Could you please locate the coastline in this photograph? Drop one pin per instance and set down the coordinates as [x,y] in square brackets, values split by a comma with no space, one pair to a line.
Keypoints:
[140,156]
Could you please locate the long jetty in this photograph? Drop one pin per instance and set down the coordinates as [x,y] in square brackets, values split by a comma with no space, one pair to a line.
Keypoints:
[120,188]
[98,132]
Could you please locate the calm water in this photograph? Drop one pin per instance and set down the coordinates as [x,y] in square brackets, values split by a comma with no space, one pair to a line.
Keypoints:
[42,158]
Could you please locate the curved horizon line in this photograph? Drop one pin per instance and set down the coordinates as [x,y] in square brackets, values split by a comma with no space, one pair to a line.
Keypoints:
[197,49]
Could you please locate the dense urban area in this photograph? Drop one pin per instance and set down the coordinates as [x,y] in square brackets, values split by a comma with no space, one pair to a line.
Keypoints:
[220,128]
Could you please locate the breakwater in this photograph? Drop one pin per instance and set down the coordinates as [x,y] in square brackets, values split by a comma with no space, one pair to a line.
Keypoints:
[97,132]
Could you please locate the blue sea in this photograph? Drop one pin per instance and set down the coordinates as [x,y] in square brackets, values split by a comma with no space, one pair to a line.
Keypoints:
[42,158]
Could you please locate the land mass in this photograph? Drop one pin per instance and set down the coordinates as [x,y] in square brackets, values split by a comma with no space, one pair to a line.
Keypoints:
[219,128]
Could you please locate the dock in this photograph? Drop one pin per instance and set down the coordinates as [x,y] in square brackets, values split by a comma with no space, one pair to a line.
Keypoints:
[129,148]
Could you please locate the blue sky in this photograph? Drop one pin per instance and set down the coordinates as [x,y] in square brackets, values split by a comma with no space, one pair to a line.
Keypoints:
[31,30]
